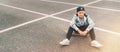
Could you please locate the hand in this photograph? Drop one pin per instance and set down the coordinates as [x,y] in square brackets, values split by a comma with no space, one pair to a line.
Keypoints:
[83,33]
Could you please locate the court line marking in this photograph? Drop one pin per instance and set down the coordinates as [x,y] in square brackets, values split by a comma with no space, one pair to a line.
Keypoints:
[112,0]
[114,10]
[86,5]
[76,7]
[72,3]
[59,2]
[97,28]
[1,4]
[46,16]
[92,2]
[16,26]
[20,25]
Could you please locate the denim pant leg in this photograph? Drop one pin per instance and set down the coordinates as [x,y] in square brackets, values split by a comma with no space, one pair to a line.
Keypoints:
[69,33]
[92,34]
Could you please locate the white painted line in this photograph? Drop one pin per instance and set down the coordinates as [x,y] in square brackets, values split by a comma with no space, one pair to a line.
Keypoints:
[72,3]
[60,2]
[75,7]
[115,10]
[92,2]
[97,28]
[64,11]
[52,17]
[21,9]
[13,27]
[113,0]
[104,30]
[16,26]
[62,19]
[48,1]
[104,8]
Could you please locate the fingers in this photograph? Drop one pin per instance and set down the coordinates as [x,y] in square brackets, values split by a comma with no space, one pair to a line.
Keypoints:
[83,33]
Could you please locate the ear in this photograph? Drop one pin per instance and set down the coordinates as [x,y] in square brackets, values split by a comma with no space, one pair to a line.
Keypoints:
[76,13]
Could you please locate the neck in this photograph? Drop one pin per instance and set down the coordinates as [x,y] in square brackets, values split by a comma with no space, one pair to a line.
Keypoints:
[81,17]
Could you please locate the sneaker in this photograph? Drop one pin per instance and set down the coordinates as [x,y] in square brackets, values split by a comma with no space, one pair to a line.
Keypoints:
[95,43]
[65,42]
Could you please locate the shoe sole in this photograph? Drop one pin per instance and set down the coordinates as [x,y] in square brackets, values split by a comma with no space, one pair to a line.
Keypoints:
[64,44]
[96,46]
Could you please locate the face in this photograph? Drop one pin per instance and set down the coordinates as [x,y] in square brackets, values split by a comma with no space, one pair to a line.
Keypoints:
[81,14]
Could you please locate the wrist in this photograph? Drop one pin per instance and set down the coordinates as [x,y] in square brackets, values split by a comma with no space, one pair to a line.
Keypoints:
[78,31]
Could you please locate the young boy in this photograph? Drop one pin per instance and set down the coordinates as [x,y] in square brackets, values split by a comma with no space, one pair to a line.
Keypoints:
[82,24]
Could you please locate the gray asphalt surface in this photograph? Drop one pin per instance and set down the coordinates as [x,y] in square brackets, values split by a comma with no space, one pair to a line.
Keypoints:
[44,35]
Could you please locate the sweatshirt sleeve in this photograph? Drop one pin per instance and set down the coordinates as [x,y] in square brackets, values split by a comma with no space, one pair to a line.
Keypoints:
[72,23]
[91,23]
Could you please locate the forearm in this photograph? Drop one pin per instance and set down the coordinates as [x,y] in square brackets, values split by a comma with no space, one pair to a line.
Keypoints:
[79,31]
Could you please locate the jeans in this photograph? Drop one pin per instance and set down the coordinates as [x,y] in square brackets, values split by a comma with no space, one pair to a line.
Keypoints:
[82,28]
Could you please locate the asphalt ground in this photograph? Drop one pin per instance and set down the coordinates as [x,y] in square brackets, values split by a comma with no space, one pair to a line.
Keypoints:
[39,25]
